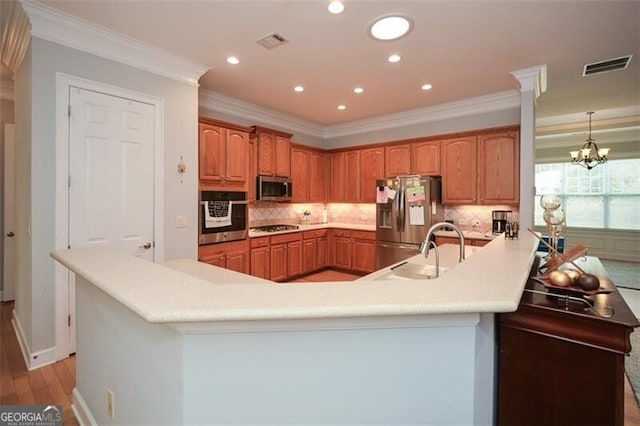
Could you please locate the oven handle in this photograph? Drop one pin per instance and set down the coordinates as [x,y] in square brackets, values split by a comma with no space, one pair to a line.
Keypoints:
[232,202]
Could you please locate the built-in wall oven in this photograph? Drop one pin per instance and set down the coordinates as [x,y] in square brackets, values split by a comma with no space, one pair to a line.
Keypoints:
[223,216]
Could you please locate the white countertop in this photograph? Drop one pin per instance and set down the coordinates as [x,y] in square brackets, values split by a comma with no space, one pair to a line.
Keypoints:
[356,227]
[491,280]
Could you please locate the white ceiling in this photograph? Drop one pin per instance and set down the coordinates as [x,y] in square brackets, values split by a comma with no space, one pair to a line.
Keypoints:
[463,48]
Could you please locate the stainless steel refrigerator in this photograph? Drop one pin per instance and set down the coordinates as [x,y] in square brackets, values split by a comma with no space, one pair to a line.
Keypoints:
[406,207]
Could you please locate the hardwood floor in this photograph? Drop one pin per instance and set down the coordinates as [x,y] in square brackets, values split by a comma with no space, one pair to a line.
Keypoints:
[53,384]
[48,385]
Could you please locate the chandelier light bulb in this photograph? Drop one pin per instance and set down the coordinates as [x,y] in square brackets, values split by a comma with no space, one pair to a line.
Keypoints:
[589,155]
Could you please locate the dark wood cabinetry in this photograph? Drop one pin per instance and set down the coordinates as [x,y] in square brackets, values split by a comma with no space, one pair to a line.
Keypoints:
[560,363]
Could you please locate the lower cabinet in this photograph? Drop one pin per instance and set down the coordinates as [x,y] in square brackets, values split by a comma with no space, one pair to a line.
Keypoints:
[353,250]
[314,250]
[260,260]
[467,241]
[285,256]
[233,255]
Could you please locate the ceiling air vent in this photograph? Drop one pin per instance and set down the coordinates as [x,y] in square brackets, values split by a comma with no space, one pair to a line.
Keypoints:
[606,66]
[272,41]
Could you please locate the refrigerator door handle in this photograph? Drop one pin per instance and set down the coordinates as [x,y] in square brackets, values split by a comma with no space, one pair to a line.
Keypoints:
[401,206]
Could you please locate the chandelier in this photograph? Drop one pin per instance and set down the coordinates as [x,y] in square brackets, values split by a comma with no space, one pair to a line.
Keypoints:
[589,155]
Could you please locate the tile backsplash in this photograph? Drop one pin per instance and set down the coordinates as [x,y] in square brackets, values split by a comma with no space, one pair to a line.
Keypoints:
[468,217]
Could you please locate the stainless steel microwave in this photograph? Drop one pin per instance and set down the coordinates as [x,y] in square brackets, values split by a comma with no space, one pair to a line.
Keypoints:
[269,188]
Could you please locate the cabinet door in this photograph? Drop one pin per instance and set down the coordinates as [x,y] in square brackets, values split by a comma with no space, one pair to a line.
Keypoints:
[237,261]
[397,160]
[337,177]
[237,153]
[342,252]
[300,175]
[364,256]
[294,259]
[479,243]
[266,154]
[318,183]
[321,253]
[252,170]
[309,255]
[215,259]
[459,170]
[371,169]
[426,158]
[447,240]
[282,157]
[278,262]
[499,168]
[260,262]
[351,180]
[212,152]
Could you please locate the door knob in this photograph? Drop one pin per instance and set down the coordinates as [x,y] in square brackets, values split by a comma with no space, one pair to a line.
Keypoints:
[10,234]
[145,246]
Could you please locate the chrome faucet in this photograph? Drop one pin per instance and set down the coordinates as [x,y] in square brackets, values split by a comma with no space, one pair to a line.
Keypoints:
[435,248]
[436,227]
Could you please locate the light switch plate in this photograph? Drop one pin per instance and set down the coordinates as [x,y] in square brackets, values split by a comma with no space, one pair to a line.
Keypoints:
[182,221]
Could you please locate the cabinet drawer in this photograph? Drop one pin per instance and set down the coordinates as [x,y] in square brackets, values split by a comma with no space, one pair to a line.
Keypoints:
[286,238]
[259,242]
[363,235]
[341,233]
[318,233]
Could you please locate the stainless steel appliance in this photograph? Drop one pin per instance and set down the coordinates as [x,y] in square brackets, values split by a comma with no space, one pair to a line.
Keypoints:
[499,219]
[275,228]
[223,216]
[406,207]
[269,188]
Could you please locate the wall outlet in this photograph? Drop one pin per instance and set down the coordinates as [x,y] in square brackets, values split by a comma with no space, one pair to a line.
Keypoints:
[182,221]
[111,409]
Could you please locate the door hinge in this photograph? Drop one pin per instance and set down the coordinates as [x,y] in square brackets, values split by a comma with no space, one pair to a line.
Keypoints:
[69,110]
[69,320]
[68,181]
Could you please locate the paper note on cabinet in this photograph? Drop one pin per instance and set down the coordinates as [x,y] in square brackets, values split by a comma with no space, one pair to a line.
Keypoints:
[416,215]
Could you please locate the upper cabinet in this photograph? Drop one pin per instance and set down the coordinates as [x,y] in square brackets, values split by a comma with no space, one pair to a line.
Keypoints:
[309,174]
[319,166]
[499,168]
[300,174]
[274,152]
[425,158]
[345,176]
[397,160]
[371,169]
[482,169]
[223,150]
[459,168]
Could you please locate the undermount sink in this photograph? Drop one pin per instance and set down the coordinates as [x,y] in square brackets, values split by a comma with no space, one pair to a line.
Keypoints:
[412,271]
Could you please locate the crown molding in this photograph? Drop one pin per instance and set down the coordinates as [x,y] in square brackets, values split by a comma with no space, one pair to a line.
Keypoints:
[217,102]
[61,28]
[6,90]
[15,37]
[532,79]
[472,106]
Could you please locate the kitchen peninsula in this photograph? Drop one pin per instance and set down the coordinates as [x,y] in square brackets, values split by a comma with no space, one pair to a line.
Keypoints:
[185,342]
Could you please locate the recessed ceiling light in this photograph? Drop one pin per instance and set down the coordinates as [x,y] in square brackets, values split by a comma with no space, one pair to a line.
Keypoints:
[233,60]
[358,90]
[394,58]
[298,89]
[336,7]
[390,27]
[426,86]
[342,107]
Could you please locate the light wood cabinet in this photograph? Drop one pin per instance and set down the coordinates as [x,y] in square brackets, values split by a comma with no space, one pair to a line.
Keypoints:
[300,175]
[397,160]
[371,169]
[260,260]
[345,176]
[233,255]
[223,150]
[459,170]
[499,168]
[274,152]
[285,256]
[318,177]
[363,246]
[341,248]
[425,158]
[314,250]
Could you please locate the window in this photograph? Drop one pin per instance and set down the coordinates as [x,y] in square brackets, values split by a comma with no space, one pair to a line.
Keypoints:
[607,196]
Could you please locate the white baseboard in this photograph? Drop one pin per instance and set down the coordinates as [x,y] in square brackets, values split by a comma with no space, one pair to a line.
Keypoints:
[32,360]
[81,411]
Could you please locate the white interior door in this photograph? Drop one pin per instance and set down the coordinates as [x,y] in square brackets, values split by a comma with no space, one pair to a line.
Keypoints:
[9,241]
[111,161]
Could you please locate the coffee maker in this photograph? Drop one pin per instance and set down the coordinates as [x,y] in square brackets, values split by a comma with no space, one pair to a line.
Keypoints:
[499,220]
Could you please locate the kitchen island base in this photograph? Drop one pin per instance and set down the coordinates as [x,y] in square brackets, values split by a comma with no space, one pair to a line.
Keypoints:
[421,369]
